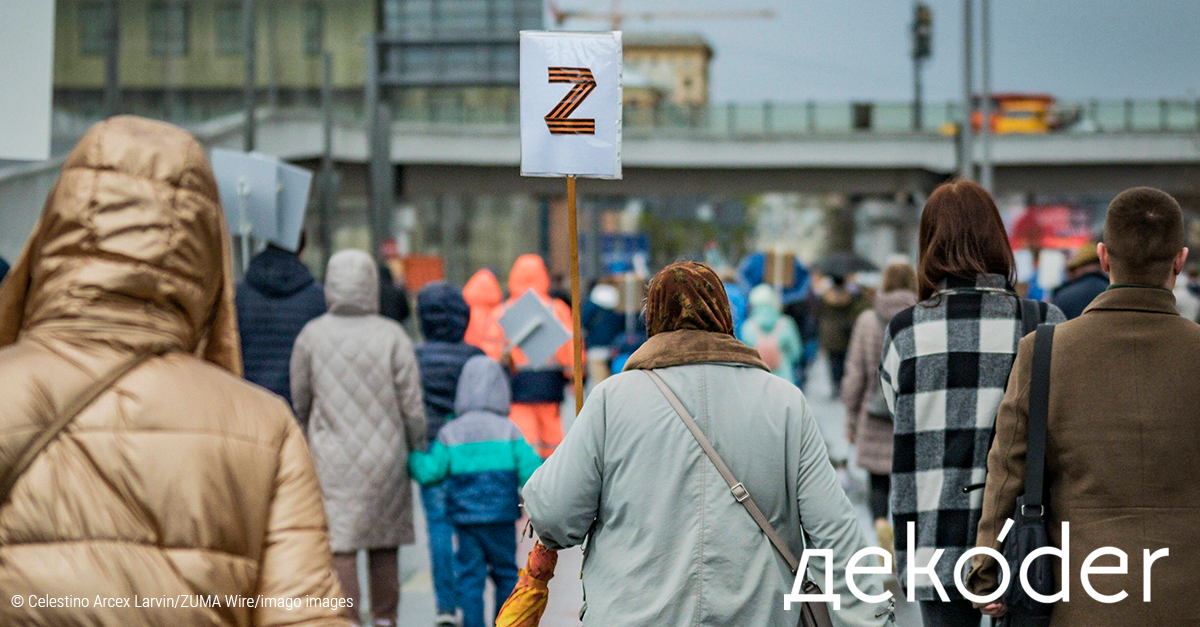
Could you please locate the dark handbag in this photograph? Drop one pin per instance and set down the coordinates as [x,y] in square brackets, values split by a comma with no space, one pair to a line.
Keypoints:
[811,614]
[64,418]
[876,405]
[1031,315]
[1029,521]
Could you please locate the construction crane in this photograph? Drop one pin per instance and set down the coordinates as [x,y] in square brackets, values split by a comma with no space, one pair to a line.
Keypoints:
[615,16]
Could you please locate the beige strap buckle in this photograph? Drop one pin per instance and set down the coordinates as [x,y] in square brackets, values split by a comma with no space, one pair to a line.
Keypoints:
[739,492]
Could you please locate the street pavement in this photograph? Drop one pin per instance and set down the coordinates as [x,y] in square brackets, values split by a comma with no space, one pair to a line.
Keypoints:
[417,607]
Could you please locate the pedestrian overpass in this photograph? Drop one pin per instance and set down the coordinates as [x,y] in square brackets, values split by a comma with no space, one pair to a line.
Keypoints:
[727,152]
[723,151]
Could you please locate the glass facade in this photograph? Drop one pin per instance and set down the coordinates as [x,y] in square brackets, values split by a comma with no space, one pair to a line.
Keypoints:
[229,28]
[314,28]
[168,29]
[457,42]
[93,22]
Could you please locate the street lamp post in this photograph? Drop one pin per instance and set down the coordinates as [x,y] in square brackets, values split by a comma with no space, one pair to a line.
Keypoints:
[112,59]
[986,171]
[922,49]
[248,25]
[328,192]
[966,166]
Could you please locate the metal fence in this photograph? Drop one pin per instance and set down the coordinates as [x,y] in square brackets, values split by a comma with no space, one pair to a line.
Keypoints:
[813,117]
[748,119]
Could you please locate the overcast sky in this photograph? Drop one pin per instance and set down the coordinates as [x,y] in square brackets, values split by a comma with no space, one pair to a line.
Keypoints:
[859,49]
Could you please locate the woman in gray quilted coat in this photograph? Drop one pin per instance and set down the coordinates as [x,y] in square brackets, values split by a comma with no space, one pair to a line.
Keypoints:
[355,382]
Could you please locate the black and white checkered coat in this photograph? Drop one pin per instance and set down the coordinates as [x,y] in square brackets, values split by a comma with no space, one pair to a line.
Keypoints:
[945,366]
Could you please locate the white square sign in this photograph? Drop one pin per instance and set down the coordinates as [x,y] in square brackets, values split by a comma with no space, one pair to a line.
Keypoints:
[27,47]
[571,104]
[263,196]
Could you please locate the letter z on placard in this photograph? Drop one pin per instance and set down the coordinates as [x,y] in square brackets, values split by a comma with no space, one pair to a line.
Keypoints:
[559,120]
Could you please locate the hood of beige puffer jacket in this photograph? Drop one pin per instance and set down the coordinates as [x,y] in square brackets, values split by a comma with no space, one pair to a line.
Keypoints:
[131,249]
[352,284]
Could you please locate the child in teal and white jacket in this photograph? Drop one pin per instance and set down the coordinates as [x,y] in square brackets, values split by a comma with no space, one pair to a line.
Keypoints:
[485,460]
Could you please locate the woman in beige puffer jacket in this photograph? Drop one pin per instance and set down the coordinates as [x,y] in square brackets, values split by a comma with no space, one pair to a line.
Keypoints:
[181,481]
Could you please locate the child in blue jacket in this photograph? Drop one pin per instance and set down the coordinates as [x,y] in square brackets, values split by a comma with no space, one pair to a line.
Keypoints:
[444,317]
[485,461]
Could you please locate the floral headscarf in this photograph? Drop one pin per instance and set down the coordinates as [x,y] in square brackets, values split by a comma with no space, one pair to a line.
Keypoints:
[687,295]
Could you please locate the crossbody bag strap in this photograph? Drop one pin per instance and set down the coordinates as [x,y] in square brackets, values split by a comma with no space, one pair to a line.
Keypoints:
[1039,416]
[1031,316]
[739,491]
[64,418]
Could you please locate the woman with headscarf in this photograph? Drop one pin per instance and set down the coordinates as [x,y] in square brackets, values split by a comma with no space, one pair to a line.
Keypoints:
[355,383]
[176,478]
[669,544]
[772,334]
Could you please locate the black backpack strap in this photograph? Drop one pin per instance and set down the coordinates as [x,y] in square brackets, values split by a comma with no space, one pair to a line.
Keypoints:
[1031,315]
[1039,414]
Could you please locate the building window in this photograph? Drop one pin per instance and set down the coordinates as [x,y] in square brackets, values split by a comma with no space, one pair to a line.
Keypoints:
[463,17]
[314,28]
[231,38]
[168,29]
[93,28]
[416,18]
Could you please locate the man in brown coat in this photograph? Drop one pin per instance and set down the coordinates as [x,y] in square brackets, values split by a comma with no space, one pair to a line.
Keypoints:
[1122,444]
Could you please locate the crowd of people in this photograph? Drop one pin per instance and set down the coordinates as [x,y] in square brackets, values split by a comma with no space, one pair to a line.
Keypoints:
[462,412]
[168,430]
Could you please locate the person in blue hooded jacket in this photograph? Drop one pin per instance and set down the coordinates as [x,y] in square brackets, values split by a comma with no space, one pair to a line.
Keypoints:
[485,461]
[444,317]
[275,299]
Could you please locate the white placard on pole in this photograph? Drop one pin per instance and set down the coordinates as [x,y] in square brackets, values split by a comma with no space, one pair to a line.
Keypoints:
[27,47]
[249,189]
[571,104]
[295,183]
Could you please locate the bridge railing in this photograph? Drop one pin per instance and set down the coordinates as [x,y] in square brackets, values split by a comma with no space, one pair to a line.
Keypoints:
[462,114]
[814,117]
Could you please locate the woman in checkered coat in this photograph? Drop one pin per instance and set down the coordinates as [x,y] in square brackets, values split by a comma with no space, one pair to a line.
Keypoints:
[945,366]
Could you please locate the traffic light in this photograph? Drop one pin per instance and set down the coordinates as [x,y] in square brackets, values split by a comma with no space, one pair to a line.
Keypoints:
[922,29]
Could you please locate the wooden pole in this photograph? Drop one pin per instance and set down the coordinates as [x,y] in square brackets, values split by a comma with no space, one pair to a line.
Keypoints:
[577,334]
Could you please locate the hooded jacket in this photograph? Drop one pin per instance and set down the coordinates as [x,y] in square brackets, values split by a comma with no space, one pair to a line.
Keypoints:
[602,323]
[181,479]
[767,322]
[536,383]
[483,296]
[354,378]
[393,298]
[1075,295]
[275,299]
[872,435]
[837,311]
[481,452]
[443,315]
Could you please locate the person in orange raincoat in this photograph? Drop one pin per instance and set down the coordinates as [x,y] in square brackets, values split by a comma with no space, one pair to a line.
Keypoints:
[537,389]
[484,297]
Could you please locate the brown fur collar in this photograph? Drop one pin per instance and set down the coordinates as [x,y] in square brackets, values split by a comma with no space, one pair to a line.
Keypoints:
[680,348]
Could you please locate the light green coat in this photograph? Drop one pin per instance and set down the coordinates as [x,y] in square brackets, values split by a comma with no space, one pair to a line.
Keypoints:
[670,546]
